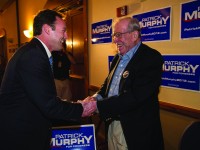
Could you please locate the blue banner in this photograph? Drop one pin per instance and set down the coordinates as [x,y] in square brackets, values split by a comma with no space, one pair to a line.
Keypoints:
[156,25]
[190,20]
[181,71]
[102,32]
[73,138]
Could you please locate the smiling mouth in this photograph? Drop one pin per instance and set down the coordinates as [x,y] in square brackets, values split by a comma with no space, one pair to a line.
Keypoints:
[62,40]
[119,46]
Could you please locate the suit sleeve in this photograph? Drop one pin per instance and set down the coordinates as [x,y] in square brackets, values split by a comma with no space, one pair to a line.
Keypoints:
[36,76]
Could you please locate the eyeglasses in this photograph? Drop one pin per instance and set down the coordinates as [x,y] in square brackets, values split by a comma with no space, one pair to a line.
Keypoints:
[119,34]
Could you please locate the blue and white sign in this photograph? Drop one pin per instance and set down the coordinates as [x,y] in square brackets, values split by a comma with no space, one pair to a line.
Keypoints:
[73,138]
[190,20]
[181,71]
[156,25]
[102,32]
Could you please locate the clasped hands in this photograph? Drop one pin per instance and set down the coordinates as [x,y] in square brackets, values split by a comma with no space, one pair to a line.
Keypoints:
[89,106]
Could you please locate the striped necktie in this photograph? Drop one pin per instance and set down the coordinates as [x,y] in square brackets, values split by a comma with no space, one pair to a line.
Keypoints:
[51,62]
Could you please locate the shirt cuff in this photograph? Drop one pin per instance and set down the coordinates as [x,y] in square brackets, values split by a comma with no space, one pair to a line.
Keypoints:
[98,97]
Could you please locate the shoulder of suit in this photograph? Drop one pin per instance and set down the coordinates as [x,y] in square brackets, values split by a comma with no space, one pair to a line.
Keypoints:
[148,49]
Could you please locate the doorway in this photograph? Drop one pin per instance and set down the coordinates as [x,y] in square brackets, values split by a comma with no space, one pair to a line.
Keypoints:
[75,12]
[76,46]
[3,53]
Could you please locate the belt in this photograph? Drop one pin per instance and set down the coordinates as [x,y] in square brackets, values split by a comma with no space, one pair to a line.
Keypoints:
[108,121]
[113,119]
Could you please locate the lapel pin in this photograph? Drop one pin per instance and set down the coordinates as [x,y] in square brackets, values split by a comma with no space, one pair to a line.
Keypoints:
[125,74]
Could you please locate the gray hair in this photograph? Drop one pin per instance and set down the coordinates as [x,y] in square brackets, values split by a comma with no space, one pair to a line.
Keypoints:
[133,24]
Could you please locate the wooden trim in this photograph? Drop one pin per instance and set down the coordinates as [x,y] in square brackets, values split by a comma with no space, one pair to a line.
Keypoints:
[93,88]
[74,76]
[6,5]
[86,57]
[190,112]
[182,110]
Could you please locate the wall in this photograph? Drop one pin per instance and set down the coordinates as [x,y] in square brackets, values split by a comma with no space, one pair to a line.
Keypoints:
[27,10]
[104,10]
[173,124]
[10,25]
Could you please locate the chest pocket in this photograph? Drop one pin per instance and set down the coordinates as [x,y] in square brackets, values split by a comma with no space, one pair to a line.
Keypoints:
[126,80]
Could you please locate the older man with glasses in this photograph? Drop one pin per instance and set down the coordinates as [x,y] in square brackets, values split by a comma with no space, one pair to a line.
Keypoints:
[128,99]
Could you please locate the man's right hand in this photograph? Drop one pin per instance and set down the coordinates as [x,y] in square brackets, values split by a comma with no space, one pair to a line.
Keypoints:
[89,106]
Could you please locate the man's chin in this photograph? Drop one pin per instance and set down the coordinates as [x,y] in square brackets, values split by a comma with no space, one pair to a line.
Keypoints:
[121,51]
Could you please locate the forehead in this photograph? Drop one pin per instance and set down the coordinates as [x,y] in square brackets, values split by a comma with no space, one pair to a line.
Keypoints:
[121,25]
[60,22]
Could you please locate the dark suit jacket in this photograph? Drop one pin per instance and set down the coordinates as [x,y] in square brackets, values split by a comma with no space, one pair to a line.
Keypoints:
[28,101]
[137,105]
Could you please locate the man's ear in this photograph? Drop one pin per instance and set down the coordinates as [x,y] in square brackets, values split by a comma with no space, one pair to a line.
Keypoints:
[135,34]
[46,28]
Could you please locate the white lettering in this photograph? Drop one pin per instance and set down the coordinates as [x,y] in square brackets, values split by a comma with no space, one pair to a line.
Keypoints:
[153,21]
[101,29]
[192,16]
[58,141]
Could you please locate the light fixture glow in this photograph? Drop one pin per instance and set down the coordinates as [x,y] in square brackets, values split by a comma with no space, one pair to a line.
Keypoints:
[28,33]
[94,39]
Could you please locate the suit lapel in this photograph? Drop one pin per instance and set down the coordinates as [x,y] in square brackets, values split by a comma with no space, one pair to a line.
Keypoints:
[135,58]
[40,47]
[129,70]
[111,74]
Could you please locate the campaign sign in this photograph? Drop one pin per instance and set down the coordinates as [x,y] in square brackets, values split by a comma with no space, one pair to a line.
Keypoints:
[181,71]
[102,32]
[73,138]
[190,20]
[155,25]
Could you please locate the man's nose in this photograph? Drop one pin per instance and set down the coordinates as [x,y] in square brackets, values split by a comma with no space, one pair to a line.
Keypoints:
[115,39]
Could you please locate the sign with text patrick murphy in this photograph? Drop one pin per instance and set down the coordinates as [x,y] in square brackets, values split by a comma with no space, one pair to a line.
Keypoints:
[102,32]
[181,71]
[156,25]
[190,20]
[73,138]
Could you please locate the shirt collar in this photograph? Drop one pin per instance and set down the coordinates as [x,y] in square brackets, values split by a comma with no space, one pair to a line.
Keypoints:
[130,53]
[45,47]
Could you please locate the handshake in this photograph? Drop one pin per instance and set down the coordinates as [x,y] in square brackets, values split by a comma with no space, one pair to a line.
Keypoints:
[89,106]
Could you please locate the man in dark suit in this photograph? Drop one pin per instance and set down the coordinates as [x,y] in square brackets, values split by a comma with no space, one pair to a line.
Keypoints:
[28,101]
[128,99]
